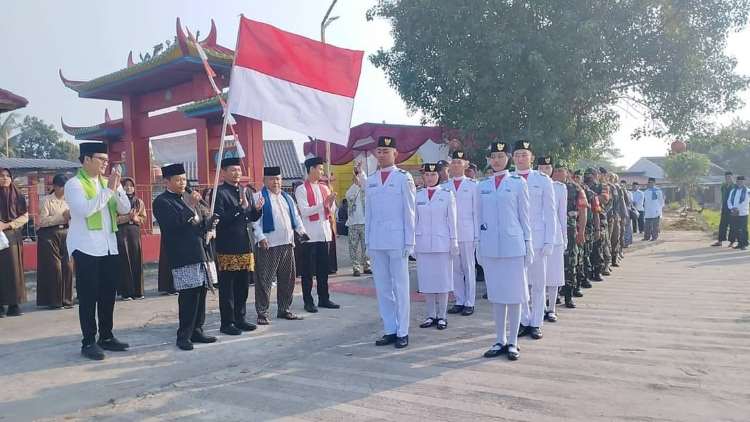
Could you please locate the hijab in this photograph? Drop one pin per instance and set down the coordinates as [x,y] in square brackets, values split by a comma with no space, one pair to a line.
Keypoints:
[12,203]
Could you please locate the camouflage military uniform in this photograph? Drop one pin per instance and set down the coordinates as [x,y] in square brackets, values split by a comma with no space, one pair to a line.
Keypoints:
[596,258]
[574,253]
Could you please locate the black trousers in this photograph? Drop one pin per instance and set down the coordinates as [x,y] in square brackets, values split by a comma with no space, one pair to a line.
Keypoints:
[739,228]
[314,262]
[724,221]
[96,283]
[641,221]
[233,289]
[192,312]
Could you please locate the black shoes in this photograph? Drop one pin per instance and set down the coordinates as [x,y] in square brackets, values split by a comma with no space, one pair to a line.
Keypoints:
[92,351]
[13,310]
[597,277]
[550,317]
[428,322]
[386,340]
[356,273]
[513,352]
[230,330]
[245,326]
[605,273]
[199,337]
[289,316]
[402,342]
[368,271]
[577,292]
[184,344]
[496,350]
[112,344]
[586,284]
[310,307]
[442,324]
[2,311]
[468,310]
[523,330]
[717,243]
[535,333]
[328,304]
[456,309]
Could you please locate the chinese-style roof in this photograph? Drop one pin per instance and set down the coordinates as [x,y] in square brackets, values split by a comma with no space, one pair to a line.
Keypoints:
[175,64]
[206,108]
[109,130]
[283,153]
[37,164]
[10,101]
[364,138]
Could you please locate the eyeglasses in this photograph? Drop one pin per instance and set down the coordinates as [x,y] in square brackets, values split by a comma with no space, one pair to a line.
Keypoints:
[103,160]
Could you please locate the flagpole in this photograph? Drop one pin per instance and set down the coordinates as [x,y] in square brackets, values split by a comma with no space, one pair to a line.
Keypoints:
[225,108]
[323,25]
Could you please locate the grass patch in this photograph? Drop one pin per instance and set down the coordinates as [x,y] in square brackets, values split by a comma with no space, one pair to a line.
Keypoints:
[712,218]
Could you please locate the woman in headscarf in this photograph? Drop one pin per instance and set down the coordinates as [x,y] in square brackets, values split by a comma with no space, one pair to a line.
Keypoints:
[13,216]
[129,244]
[54,277]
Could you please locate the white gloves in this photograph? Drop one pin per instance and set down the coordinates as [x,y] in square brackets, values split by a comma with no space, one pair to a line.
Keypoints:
[529,259]
[408,250]
[547,249]
[454,250]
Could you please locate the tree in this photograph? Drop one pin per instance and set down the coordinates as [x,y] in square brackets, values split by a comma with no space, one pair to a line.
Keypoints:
[37,139]
[552,70]
[729,146]
[684,169]
[7,126]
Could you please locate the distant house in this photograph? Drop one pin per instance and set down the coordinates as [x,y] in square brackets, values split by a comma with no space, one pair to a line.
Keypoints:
[710,185]
[283,153]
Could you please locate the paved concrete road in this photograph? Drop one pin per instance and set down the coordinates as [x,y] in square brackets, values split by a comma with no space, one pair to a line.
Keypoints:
[666,338]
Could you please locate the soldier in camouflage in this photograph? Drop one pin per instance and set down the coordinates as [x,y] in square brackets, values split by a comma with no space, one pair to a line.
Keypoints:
[576,223]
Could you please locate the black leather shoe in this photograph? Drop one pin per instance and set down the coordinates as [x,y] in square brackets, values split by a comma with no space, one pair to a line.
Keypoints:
[570,304]
[328,304]
[386,340]
[550,317]
[13,310]
[202,338]
[496,350]
[230,330]
[605,273]
[368,271]
[597,277]
[442,324]
[2,311]
[586,284]
[93,352]
[184,344]
[402,342]
[523,330]
[428,322]
[289,316]
[577,292]
[356,273]
[456,309]
[615,264]
[535,333]
[484,296]
[112,344]
[513,353]
[309,307]
[468,310]
[245,326]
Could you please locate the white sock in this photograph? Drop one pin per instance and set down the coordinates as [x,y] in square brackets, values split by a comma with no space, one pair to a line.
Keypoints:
[514,318]
[430,300]
[551,298]
[442,304]
[500,315]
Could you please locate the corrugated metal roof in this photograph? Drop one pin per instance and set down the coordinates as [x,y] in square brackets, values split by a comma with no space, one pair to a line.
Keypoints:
[37,163]
[282,153]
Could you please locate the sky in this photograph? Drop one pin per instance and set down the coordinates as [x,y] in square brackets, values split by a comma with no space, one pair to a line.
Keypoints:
[87,39]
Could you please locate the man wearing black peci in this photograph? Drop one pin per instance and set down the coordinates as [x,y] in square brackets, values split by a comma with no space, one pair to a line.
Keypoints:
[183,230]
[236,211]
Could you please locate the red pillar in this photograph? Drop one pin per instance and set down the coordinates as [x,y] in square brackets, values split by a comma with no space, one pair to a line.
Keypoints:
[137,152]
[201,143]
[250,133]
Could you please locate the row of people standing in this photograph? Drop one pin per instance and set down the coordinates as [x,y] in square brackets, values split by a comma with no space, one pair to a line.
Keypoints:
[735,201]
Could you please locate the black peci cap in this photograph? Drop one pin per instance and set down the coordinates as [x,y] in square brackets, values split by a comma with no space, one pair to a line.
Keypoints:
[172,170]
[87,149]
[272,171]
[230,161]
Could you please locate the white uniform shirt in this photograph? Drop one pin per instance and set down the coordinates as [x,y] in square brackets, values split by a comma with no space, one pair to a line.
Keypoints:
[320,230]
[504,224]
[561,208]
[638,199]
[283,233]
[92,242]
[435,221]
[735,200]
[541,208]
[355,196]
[467,207]
[652,208]
[389,214]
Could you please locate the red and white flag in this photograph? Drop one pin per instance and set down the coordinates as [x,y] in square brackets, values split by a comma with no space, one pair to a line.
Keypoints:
[294,82]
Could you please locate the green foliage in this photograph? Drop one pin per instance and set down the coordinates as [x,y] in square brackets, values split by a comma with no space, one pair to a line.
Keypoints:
[685,168]
[551,70]
[727,146]
[7,126]
[37,139]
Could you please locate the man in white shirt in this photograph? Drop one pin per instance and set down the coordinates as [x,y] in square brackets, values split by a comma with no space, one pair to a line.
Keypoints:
[316,205]
[638,200]
[355,222]
[738,203]
[274,233]
[94,204]
[653,204]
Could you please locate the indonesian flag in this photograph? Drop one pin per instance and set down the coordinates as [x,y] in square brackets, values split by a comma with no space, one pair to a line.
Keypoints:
[294,82]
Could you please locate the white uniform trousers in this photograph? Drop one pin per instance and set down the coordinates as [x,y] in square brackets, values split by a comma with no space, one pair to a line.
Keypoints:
[464,275]
[390,269]
[532,313]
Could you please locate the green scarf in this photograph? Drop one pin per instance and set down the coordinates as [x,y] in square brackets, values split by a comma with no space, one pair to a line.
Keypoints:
[94,221]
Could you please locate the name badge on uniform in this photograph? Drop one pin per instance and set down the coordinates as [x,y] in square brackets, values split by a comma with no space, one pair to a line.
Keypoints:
[536,186]
[421,203]
[485,192]
[483,227]
[372,185]
[507,189]
[390,185]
